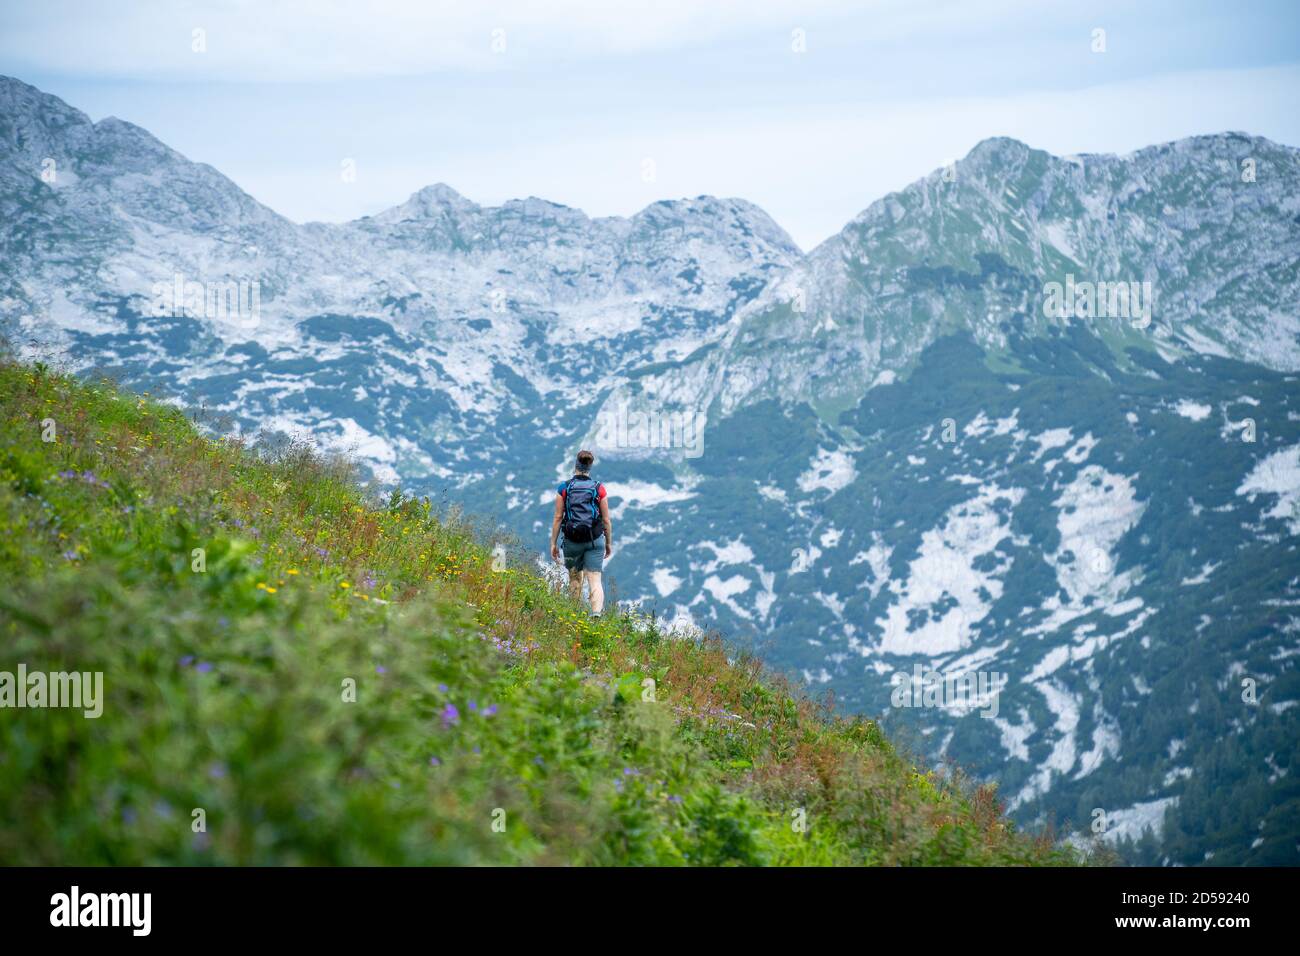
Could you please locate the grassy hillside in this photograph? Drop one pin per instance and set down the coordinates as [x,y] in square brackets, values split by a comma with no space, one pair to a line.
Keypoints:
[233,602]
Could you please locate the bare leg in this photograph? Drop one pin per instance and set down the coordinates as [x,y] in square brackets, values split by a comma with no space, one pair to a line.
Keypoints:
[596,590]
[575,584]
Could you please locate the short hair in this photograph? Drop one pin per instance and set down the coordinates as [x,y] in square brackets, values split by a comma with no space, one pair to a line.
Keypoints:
[585,460]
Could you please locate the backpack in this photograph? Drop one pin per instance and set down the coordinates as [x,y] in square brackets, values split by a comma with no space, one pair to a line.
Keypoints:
[582,509]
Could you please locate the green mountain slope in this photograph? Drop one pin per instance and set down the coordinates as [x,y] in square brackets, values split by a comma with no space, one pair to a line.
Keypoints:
[293,673]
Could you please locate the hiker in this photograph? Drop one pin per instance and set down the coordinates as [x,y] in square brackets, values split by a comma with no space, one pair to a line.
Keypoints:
[582,513]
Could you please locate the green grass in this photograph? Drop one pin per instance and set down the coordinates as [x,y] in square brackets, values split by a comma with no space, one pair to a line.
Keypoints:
[334,679]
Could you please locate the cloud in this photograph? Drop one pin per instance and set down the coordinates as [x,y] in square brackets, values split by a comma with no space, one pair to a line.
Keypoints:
[299,40]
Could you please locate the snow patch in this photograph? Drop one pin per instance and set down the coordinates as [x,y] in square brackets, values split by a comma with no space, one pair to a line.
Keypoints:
[1052,438]
[944,595]
[831,470]
[1193,410]
[1278,474]
[665,581]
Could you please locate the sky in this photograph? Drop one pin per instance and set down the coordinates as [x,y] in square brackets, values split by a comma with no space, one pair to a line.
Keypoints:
[811,109]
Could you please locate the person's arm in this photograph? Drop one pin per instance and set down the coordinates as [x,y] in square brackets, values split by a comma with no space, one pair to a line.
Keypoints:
[609,528]
[555,526]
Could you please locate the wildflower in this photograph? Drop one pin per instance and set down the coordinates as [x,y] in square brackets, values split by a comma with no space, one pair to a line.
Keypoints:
[381,669]
[292,571]
[489,710]
[435,762]
[344,585]
[450,715]
[187,660]
[203,667]
[442,688]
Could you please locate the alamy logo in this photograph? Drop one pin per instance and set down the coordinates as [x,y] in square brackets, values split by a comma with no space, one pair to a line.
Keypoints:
[928,687]
[103,909]
[619,428]
[1098,300]
[239,302]
[25,688]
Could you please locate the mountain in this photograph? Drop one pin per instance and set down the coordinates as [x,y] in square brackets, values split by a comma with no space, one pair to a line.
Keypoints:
[1032,419]
[969,249]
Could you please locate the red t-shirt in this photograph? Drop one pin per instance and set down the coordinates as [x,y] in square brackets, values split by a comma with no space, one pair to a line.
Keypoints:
[600,490]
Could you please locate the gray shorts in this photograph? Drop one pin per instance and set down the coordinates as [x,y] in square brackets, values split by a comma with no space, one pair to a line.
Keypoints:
[583,555]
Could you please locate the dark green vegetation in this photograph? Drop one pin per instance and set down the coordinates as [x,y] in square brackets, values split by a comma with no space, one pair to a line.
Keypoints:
[1177,679]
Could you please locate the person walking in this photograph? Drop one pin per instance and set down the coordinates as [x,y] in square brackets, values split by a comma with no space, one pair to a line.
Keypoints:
[582,515]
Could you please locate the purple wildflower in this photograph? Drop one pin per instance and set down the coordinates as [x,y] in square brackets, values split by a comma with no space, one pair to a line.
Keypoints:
[489,710]
[381,669]
[203,667]
[435,762]
[450,715]
[187,660]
